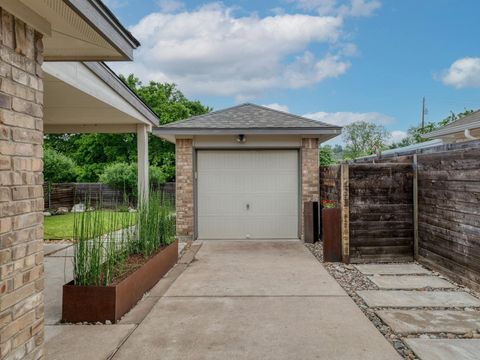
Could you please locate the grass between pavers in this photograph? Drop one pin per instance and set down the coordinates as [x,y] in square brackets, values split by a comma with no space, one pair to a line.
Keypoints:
[60,227]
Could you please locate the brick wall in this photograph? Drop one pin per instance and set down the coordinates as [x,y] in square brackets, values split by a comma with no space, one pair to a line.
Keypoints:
[310,175]
[184,188]
[21,193]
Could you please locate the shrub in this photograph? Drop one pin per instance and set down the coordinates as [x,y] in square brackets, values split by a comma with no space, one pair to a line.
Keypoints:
[58,167]
[123,176]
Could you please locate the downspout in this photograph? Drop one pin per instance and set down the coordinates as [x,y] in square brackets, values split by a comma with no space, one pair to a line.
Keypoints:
[468,135]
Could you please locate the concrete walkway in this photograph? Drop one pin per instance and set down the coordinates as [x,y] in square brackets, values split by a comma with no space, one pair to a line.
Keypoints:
[255,300]
[425,307]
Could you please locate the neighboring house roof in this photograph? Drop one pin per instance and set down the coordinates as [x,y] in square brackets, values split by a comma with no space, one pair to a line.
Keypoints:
[247,119]
[90,97]
[76,30]
[469,122]
[405,150]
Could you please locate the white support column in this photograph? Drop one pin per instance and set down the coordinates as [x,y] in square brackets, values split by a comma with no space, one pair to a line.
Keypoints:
[142,161]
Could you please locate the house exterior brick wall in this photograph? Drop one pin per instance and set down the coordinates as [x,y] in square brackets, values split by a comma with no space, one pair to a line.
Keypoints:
[184,189]
[310,173]
[21,192]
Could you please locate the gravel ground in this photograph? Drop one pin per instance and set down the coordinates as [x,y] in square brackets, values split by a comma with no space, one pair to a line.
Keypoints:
[353,280]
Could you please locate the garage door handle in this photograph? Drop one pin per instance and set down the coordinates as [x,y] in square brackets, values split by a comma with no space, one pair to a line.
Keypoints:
[248,206]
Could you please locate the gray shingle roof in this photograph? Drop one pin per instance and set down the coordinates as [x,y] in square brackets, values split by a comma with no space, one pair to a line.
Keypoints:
[248,116]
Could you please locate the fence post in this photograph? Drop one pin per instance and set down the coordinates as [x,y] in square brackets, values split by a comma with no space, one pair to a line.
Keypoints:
[415,206]
[344,205]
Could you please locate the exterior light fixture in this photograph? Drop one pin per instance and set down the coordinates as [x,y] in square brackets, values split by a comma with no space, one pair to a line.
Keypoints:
[241,138]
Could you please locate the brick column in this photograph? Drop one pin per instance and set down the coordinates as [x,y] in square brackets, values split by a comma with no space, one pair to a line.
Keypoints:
[184,188]
[310,176]
[21,194]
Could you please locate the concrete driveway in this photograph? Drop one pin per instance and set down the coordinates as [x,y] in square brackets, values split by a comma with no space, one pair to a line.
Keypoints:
[255,300]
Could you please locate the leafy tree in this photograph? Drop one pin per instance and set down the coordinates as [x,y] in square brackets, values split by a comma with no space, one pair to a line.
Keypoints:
[123,176]
[327,157]
[58,167]
[93,152]
[363,138]
[338,152]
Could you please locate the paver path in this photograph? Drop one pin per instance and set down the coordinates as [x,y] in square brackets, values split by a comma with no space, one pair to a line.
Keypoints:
[423,311]
[255,300]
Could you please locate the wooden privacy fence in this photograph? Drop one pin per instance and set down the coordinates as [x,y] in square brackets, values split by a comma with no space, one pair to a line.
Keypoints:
[377,213]
[97,194]
[426,200]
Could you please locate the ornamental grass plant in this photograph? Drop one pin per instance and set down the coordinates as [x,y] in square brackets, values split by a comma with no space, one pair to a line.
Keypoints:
[104,254]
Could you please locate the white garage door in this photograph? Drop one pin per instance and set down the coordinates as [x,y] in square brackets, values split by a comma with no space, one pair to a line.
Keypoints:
[247,194]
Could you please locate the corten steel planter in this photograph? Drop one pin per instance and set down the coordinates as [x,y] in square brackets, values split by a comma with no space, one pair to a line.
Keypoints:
[310,222]
[102,303]
[331,235]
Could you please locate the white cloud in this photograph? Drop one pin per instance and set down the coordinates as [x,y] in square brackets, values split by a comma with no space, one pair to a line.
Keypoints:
[170,6]
[342,8]
[209,51]
[347,118]
[397,136]
[463,73]
[276,106]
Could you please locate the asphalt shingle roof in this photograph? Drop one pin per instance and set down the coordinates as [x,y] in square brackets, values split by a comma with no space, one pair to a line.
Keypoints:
[248,116]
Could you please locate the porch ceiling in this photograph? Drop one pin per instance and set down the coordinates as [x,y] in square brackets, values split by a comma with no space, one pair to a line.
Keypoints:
[77,100]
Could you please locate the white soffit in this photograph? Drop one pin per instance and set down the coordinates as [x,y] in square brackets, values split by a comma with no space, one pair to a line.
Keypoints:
[80,31]
[75,96]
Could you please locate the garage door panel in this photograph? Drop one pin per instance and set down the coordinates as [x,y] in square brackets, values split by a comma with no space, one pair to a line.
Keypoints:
[247,194]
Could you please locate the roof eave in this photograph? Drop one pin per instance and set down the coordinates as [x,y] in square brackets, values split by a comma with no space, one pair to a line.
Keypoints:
[98,16]
[246,131]
[452,130]
[111,79]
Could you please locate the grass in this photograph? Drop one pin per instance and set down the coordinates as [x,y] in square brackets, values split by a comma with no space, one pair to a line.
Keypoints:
[60,227]
[102,253]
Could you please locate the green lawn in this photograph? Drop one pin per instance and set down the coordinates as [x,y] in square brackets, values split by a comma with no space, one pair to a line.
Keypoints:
[60,227]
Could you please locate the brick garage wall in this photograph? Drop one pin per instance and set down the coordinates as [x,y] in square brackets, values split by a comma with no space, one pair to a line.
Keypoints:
[21,193]
[310,175]
[184,188]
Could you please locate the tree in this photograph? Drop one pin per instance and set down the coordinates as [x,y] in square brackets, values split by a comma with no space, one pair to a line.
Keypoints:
[58,167]
[363,138]
[93,152]
[123,176]
[326,155]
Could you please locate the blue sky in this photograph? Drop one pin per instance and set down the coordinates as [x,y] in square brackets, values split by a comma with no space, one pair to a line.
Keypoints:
[334,60]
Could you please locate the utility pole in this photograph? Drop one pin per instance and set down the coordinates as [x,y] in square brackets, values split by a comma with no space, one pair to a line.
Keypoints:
[424,112]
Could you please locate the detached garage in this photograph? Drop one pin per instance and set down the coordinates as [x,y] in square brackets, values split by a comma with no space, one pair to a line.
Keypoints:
[245,172]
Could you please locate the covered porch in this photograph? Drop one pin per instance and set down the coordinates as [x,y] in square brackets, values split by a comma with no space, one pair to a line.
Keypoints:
[88,97]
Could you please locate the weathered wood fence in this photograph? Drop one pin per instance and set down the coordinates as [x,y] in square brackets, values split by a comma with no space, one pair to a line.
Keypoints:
[96,194]
[426,200]
[377,209]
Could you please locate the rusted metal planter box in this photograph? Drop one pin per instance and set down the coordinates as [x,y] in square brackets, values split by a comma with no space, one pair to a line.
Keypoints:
[102,303]
[331,235]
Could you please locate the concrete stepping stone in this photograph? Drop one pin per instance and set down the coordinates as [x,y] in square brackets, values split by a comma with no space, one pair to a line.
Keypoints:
[430,321]
[392,269]
[410,282]
[445,349]
[403,298]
